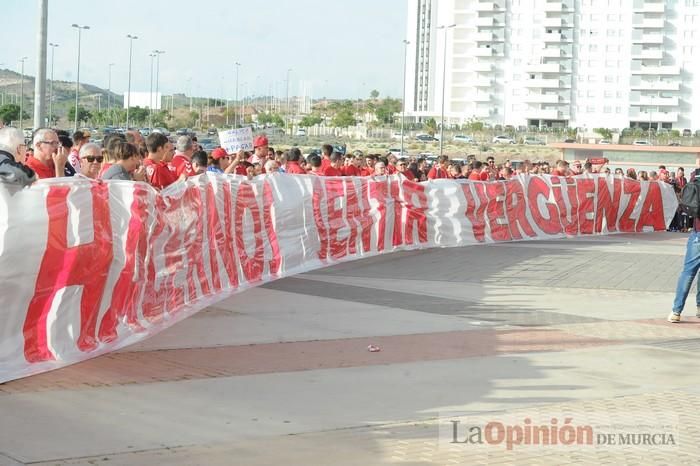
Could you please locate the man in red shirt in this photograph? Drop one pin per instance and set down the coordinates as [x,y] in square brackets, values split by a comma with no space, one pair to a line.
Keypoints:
[439,170]
[352,168]
[368,169]
[48,161]
[314,163]
[335,167]
[475,175]
[326,151]
[183,155]
[260,146]
[292,167]
[157,171]
[402,169]
[562,168]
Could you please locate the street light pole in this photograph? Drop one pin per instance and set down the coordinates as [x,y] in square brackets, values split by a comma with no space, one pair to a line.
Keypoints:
[109,92]
[444,72]
[158,53]
[150,100]
[237,119]
[77,77]
[53,49]
[128,92]
[40,78]
[21,97]
[287,125]
[403,102]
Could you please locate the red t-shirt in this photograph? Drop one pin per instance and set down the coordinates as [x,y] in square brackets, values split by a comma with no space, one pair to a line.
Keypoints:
[158,174]
[351,170]
[437,173]
[240,170]
[484,175]
[182,165]
[366,171]
[390,169]
[293,168]
[331,171]
[408,174]
[474,176]
[557,172]
[41,170]
[325,163]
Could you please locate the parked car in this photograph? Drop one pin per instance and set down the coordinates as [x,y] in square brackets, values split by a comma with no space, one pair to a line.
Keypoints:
[145,132]
[301,132]
[674,144]
[641,143]
[426,138]
[503,140]
[687,133]
[397,152]
[464,139]
[397,136]
[604,142]
[212,131]
[532,141]
[184,132]
[570,141]
[162,131]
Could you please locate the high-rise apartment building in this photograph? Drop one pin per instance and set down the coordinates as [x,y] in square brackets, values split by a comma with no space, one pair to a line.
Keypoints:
[575,63]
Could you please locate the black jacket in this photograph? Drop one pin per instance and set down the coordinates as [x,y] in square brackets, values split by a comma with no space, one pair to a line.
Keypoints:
[14,173]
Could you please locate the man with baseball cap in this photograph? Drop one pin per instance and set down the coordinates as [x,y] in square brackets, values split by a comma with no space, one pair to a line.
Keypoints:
[260,144]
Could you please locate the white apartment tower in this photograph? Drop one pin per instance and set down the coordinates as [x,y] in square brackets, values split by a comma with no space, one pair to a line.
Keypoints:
[575,63]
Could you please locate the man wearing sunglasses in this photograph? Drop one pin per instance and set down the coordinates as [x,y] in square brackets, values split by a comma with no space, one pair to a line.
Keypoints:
[90,160]
[48,160]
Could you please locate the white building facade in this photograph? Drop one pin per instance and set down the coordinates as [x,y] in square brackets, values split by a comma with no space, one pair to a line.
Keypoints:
[556,63]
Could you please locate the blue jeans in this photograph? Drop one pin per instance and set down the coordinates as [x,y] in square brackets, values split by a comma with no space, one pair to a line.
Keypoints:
[691,265]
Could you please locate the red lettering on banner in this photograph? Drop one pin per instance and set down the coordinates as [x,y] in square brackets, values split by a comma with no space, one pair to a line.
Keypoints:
[215,236]
[607,206]
[652,210]
[538,187]
[318,197]
[416,213]
[225,243]
[358,215]
[633,188]
[85,265]
[475,208]
[569,227]
[269,204]
[335,199]
[585,192]
[516,210]
[132,279]
[399,207]
[378,192]
[252,266]
[194,238]
[495,211]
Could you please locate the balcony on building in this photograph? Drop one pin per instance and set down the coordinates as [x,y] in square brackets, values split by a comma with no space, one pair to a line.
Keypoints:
[543,68]
[542,83]
[546,114]
[557,51]
[654,85]
[485,52]
[491,21]
[641,53]
[484,67]
[555,37]
[659,70]
[648,6]
[487,36]
[481,82]
[488,6]
[545,98]
[481,112]
[558,6]
[638,115]
[641,22]
[652,100]
[643,37]
[557,22]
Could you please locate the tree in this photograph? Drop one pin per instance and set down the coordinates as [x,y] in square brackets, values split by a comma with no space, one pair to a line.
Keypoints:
[605,132]
[474,126]
[387,109]
[430,126]
[270,119]
[10,112]
[374,94]
[310,120]
[83,114]
[344,118]
[138,115]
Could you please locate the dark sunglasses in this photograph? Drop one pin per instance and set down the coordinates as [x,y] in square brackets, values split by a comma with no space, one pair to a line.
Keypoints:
[93,158]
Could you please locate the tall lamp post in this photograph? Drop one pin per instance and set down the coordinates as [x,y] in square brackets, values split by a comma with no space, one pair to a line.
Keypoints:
[150,100]
[109,92]
[158,53]
[403,102]
[444,73]
[289,70]
[77,75]
[238,113]
[53,49]
[128,91]
[21,96]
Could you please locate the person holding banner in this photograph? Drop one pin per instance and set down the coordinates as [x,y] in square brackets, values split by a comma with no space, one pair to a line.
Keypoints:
[292,167]
[260,146]
[182,161]
[49,160]
[157,172]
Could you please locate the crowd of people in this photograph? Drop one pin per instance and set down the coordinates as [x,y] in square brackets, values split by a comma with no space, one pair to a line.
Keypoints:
[161,162]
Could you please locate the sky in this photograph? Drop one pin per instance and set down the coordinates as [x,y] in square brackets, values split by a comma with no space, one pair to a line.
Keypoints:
[339,48]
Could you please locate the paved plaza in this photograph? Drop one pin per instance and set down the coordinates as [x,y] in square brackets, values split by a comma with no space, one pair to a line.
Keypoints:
[282,375]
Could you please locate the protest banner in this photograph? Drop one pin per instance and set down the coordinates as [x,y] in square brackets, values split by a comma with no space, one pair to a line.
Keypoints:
[234,140]
[88,267]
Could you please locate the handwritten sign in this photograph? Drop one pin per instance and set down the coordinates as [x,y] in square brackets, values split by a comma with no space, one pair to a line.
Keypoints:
[234,140]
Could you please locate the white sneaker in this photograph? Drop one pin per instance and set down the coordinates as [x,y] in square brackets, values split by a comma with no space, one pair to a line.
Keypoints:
[674,318]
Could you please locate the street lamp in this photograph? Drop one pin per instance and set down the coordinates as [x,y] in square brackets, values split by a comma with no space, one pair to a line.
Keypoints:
[109,91]
[158,53]
[150,100]
[21,96]
[128,91]
[237,119]
[77,76]
[53,49]
[444,72]
[403,104]
[287,125]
